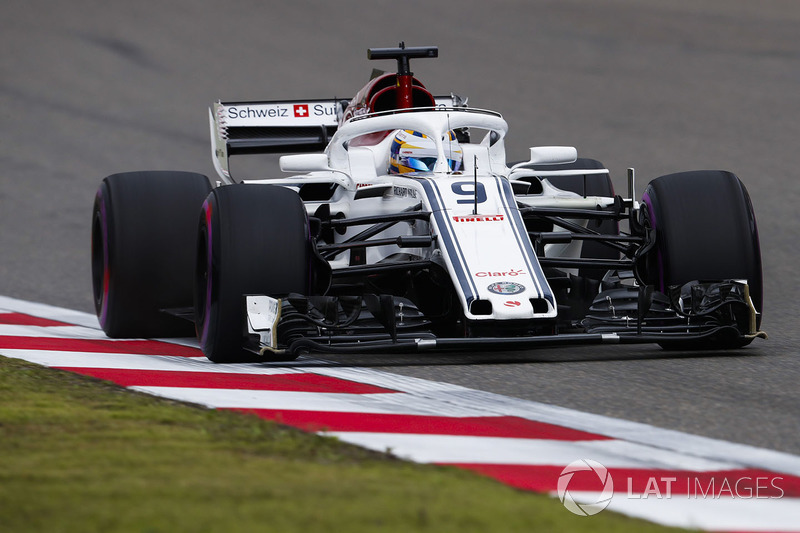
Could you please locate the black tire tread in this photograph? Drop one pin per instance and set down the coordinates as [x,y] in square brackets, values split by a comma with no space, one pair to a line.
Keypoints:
[260,245]
[151,223]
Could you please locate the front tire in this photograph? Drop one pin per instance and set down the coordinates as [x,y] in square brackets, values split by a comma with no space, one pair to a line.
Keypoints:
[253,239]
[705,230]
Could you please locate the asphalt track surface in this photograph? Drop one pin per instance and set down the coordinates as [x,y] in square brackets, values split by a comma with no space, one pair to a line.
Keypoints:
[88,89]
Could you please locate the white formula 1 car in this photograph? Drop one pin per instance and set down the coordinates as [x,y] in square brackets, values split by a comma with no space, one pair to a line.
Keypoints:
[406,229]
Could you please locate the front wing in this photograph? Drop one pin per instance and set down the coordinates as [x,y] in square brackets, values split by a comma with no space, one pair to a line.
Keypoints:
[300,324]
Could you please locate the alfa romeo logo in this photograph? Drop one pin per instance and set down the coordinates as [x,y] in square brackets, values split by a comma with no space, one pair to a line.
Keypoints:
[603,499]
[506,287]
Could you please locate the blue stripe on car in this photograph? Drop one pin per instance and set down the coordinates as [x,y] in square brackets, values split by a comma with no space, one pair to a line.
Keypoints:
[450,243]
[524,242]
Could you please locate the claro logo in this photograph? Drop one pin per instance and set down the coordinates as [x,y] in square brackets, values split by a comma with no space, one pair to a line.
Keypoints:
[511,272]
[479,218]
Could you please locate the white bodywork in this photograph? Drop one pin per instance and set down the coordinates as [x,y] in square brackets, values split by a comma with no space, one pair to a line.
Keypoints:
[480,237]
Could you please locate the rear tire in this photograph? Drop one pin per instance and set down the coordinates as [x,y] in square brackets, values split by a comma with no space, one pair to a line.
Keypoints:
[253,239]
[143,248]
[705,230]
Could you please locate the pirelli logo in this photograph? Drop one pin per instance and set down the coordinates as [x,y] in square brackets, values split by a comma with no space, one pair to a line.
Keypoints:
[479,218]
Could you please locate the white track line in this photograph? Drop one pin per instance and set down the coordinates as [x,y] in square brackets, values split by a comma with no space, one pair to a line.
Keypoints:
[62,332]
[386,403]
[78,318]
[138,362]
[714,514]
[520,451]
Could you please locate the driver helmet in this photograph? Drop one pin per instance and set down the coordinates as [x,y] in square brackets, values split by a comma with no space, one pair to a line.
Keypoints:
[413,151]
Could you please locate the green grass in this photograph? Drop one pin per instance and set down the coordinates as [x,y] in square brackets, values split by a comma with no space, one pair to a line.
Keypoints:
[79,454]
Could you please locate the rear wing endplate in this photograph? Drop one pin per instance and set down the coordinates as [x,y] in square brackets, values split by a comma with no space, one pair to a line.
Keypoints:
[278,127]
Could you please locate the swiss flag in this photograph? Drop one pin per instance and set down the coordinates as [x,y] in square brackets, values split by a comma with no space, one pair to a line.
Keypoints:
[300,110]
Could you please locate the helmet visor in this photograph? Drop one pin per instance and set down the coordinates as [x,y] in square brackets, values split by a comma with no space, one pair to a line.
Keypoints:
[423,164]
[426,164]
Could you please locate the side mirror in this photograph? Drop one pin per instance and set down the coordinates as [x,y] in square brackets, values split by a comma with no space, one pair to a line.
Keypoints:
[552,155]
[548,155]
[304,162]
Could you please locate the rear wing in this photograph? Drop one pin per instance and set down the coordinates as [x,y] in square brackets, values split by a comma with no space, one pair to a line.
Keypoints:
[278,127]
[270,127]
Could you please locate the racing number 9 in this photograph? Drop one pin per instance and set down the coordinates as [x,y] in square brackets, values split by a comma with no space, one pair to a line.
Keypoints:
[475,191]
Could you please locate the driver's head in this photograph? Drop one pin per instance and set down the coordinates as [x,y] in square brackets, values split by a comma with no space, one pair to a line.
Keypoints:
[413,151]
